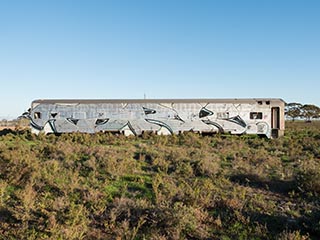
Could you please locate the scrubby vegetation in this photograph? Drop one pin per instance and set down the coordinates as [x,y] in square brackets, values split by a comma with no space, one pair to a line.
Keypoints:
[298,111]
[102,186]
[20,123]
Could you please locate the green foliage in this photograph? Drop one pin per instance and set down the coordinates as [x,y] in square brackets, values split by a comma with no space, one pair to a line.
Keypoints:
[310,111]
[104,186]
[306,112]
[293,110]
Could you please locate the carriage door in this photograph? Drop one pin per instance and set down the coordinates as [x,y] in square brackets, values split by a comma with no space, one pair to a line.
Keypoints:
[275,122]
[275,116]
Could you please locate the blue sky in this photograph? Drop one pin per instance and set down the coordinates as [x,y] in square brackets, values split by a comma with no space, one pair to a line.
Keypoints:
[163,49]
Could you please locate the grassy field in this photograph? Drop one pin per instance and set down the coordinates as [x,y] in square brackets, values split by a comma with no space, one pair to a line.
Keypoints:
[102,186]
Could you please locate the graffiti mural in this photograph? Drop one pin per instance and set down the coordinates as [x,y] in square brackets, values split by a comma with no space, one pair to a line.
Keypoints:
[133,117]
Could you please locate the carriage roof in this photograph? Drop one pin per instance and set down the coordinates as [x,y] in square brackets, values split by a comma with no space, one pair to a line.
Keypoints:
[141,101]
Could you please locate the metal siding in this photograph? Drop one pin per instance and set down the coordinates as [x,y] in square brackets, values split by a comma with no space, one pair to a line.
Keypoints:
[165,115]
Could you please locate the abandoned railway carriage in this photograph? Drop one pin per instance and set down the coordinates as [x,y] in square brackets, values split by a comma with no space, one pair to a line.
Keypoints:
[162,116]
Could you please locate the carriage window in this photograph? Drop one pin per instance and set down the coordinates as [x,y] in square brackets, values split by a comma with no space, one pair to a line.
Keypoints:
[223,115]
[256,115]
[37,115]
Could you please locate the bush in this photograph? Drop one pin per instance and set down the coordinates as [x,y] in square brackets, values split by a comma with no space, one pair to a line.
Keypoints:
[105,186]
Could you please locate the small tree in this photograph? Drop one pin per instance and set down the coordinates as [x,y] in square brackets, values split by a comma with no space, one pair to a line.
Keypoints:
[293,110]
[310,111]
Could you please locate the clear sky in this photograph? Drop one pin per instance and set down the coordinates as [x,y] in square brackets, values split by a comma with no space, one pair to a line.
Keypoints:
[160,48]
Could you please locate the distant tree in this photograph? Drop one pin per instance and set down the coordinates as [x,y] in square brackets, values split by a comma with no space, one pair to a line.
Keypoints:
[293,110]
[310,111]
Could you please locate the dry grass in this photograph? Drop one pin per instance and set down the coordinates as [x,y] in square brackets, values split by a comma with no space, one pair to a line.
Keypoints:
[102,186]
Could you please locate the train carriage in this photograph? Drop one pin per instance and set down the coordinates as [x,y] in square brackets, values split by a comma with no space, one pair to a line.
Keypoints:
[161,116]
